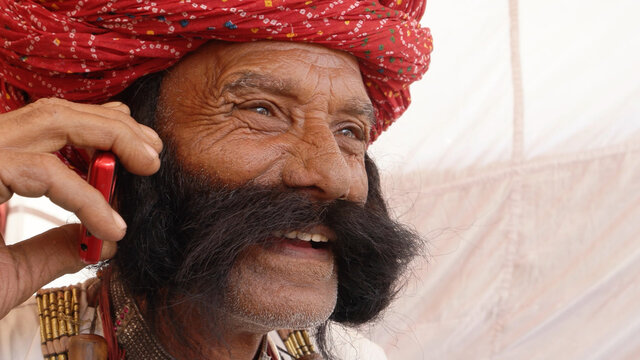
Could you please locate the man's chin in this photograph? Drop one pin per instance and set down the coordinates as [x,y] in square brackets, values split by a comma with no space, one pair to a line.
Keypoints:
[280,285]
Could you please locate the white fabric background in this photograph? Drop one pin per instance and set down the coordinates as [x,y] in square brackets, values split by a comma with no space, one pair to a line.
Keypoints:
[519,162]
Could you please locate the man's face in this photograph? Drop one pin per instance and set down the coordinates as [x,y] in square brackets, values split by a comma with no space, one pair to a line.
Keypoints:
[281,115]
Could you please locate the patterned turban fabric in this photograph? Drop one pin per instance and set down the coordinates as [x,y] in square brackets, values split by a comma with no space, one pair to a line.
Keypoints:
[90,50]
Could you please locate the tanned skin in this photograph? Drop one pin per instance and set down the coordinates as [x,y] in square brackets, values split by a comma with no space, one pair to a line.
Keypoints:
[290,116]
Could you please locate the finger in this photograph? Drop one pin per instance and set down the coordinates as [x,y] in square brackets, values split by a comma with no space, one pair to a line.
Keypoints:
[48,126]
[137,155]
[120,111]
[114,110]
[35,175]
[5,193]
[117,105]
[109,249]
[49,106]
[153,136]
[28,265]
[51,254]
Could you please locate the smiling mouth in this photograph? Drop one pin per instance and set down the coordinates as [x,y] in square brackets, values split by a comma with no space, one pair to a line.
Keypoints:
[304,239]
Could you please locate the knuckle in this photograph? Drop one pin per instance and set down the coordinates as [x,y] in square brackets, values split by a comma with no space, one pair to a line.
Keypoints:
[48,110]
[119,127]
[125,118]
[118,108]
[121,106]
[48,101]
[123,133]
[29,174]
[50,164]
[125,109]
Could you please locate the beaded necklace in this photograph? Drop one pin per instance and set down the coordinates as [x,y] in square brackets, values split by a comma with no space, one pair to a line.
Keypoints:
[126,333]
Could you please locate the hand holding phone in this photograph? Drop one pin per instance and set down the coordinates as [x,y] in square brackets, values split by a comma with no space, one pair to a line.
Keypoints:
[102,176]
[28,136]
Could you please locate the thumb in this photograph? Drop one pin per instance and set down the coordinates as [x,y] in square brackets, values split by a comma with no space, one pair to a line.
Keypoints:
[28,265]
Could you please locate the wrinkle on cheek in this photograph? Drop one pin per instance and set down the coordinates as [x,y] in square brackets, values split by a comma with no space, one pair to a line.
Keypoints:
[255,162]
[189,108]
[232,156]
[197,138]
[200,104]
[360,184]
[200,125]
[195,98]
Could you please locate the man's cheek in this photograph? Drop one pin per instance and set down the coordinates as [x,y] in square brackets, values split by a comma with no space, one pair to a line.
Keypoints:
[359,180]
[237,158]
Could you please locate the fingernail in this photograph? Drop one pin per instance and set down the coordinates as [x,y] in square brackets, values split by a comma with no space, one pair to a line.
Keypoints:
[152,152]
[119,221]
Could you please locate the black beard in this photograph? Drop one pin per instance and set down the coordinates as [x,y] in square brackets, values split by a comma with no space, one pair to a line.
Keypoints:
[186,230]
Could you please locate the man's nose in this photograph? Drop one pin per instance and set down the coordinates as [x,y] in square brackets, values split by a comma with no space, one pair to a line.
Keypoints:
[318,166]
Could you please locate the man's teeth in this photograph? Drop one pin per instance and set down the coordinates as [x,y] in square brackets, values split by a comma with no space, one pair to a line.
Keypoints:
[299,235]
[319,238]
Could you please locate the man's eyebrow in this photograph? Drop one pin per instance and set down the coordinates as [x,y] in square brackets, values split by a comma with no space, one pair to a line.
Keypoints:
[359,107]
[252,80]
[264,82]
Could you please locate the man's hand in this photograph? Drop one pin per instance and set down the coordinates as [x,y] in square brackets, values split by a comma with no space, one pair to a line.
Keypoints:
[28,136]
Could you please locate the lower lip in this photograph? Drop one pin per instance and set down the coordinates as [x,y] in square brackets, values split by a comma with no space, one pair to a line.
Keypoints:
[297,248]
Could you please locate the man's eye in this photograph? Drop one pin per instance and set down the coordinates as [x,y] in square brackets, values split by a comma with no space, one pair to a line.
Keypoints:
[349,132]
[261,110]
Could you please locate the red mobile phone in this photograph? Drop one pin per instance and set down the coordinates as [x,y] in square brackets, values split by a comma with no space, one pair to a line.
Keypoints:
[102,176]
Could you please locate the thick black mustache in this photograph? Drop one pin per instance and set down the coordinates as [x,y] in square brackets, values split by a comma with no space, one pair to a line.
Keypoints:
[185,233]
[227,221]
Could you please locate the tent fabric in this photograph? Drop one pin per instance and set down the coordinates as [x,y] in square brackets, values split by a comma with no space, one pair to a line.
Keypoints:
[525,180]
[519,162]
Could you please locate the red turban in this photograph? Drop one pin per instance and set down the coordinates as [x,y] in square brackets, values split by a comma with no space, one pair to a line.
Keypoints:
[89,50]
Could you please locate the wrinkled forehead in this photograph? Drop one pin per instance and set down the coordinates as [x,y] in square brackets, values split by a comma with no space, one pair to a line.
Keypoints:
[305,72]
[225,54]
[279,64]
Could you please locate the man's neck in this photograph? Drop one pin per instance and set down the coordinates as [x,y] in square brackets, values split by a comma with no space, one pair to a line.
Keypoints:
[231,344]
[156,336]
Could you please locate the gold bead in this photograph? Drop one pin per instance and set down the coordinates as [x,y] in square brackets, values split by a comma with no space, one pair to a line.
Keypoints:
[47,317]
[305,334]
[297,345]
[303,345]
[290,347]
[76,316]
[62,324]
[54,314]
[68,313]
[43,336]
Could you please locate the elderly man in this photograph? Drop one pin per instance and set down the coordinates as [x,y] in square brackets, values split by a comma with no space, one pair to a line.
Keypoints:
[266,213]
